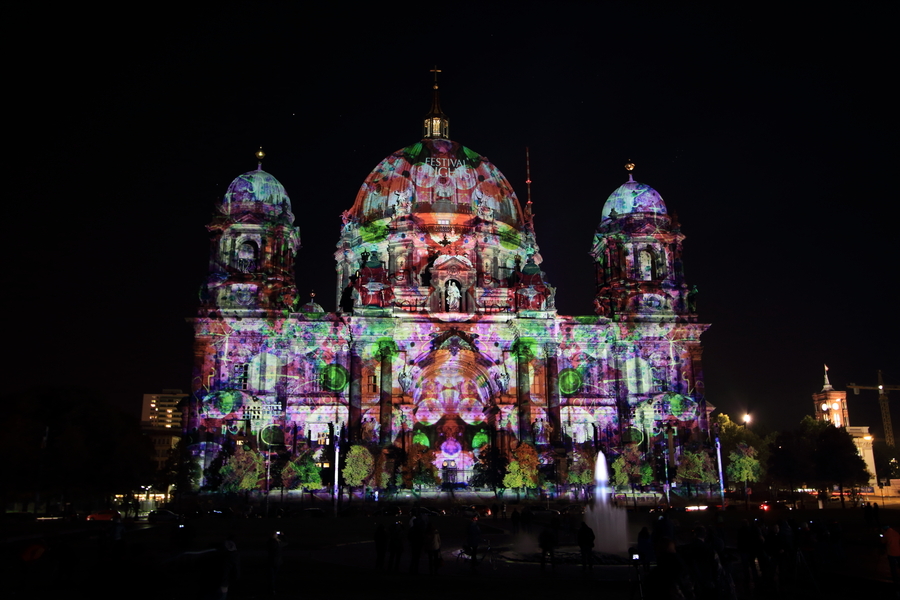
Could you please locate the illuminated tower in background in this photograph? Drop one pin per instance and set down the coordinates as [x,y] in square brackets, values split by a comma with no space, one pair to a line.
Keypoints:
[445,331]
[831,405]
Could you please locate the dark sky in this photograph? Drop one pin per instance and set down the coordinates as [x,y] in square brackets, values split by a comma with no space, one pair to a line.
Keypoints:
[772,134]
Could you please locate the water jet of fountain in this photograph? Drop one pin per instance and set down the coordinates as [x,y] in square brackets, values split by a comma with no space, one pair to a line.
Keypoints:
[608,522]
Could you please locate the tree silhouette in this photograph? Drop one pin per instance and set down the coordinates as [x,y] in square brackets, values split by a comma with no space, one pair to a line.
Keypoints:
[838,461]
[419,467]
[71,445]
[791,460]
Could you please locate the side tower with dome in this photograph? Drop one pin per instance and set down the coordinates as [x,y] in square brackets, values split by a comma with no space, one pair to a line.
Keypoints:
[444,332]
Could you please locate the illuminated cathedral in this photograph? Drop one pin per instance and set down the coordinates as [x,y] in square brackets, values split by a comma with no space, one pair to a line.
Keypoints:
[445,331]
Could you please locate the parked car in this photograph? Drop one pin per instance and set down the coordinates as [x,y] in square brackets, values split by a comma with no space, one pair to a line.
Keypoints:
[162,516]
[104,515]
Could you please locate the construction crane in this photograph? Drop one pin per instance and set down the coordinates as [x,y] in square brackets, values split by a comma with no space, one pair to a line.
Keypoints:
[883,401]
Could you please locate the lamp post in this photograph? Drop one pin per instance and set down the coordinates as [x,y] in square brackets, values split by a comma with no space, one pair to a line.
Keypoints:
[719,458]
[746,421]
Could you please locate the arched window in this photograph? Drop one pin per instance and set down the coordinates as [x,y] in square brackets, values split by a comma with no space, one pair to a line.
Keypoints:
[246,257]
[647,264]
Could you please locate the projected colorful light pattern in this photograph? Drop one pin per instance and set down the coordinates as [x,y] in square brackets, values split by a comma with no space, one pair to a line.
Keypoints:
[446,332]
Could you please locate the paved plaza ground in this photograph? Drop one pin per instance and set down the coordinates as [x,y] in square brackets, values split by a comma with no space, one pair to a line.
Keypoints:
[335,557]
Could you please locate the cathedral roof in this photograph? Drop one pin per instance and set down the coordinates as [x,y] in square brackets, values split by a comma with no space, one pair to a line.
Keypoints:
[633,198]
[437,176]
[256,192]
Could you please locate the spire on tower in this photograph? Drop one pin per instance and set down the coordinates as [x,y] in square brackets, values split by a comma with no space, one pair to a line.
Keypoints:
[629,166]
[528,172]
[827,386]
[437,125]
[260,155]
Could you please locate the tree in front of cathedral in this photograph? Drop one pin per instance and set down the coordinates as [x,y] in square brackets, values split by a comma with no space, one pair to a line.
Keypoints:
[358,467]
[242,471]
[630,469]
[179,470]
[695,467]
[301,473]
[418,468]
[743,466]
[522,471]
[581,472]
[488,468]
[733,434]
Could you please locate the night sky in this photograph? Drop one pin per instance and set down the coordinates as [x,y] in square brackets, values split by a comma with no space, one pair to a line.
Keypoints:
[771,134]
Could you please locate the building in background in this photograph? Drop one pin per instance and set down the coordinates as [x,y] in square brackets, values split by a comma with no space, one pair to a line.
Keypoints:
[831,405]
[863,440]
[161,422]
[445,331]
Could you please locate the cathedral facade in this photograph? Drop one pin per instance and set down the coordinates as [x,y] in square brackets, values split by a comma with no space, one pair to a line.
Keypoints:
[445,331]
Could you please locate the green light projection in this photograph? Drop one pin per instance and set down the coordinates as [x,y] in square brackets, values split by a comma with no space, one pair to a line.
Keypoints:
[635,435]
[387,347]
[223,402]
[373,232]
[525,347]
[676,405]
[510,239]
[570,381]
[421,438]
[272,435]
[335,378]
[480,439]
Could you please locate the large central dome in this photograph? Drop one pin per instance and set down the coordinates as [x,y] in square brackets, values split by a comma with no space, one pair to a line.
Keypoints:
[433,177]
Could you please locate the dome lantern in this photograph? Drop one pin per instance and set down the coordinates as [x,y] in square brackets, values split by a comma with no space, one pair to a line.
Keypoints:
[437,125]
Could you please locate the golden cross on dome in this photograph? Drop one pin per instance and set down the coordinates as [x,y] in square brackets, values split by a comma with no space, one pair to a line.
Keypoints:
[435,70]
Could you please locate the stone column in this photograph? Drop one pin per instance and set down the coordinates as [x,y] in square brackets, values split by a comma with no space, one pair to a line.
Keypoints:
[386,402]
[621,390]
[355,409]
[523,392]
[550,349]
[205,363]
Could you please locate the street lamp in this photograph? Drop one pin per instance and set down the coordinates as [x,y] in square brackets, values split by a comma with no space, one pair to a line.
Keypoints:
[746,420]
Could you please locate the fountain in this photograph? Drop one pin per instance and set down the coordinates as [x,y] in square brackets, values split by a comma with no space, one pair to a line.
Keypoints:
[607,521]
